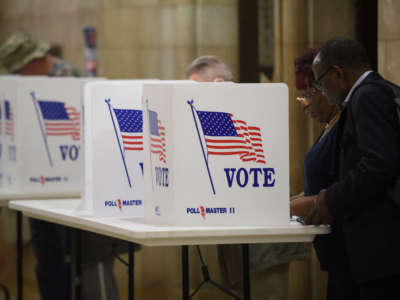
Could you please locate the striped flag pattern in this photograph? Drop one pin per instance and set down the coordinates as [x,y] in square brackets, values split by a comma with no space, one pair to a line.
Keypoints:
[157,137]
[225,135]
[130,123]
[60,120]
[9,116]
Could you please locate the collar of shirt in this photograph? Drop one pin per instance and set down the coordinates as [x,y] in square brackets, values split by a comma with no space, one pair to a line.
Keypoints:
[356,84]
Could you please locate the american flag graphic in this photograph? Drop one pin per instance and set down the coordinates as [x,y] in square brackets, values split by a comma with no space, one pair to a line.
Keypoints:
[225,135]
[130,123]
[9,119]
[157,137]
[60,120]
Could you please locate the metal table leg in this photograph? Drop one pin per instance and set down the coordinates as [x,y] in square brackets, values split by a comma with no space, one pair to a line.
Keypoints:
[131,269]
[78,266]
[185,273]
[68,260]
[246,273]
[19,257]
[74,258]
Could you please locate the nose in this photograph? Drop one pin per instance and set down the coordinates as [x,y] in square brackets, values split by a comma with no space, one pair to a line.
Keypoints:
[306,104]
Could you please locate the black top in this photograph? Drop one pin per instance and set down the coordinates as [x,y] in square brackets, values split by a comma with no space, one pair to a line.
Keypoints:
[320,171]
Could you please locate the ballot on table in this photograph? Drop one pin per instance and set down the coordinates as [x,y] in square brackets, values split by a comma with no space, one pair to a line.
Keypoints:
[216,154]
[43,135]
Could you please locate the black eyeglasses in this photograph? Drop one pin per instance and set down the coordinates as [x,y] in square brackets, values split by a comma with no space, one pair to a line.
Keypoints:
[318,82]
[306,98]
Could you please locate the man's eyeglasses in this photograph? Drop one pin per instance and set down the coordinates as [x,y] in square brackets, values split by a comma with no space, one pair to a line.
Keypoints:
[318,82]
[306,98]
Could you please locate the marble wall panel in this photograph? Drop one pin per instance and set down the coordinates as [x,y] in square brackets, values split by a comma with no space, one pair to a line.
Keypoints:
[149,30]
[149,62]
[168,63]
[294,24]
[382,57]
[45,7]
[13,8]
[392,65]
[168,26]
[217,25]
[123,4]
[389,39]
[120,64]
[223,2]
[90,6]
[184,56]
[388,20]
[185,24]
[333,18]
[121,29]
[177,25]
[11,25]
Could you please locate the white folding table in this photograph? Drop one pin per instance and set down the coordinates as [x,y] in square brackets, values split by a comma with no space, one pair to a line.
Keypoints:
[135,230]
[5,197]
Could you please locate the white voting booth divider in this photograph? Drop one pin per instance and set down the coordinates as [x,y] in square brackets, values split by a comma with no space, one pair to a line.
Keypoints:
[114,183]
[42,136]
[8,90]
[5,126]
[216,154]
[200,154]
[113,148]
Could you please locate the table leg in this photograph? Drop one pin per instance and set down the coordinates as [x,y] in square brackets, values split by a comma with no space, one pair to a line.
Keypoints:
[185,273]
[19,257]
[5,291]
[69,262]
[131,267]
[246,273]
[76,263]
[78,266]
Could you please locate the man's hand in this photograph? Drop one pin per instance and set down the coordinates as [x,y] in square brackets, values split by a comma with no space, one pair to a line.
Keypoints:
[312,209]
[320,214]
[302,206]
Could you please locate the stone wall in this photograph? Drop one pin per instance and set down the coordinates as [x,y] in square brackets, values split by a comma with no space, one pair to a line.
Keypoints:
[389,39]
[136,38]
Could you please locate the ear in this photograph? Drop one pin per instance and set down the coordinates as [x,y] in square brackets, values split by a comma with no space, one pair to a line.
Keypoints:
[339,72]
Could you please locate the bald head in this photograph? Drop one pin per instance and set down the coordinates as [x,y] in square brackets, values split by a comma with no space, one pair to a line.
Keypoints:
[208,69]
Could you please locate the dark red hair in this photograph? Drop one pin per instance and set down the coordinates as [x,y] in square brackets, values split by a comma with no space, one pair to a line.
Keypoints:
[303,71]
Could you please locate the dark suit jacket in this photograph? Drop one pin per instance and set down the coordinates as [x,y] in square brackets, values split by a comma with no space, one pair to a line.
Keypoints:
[369,164]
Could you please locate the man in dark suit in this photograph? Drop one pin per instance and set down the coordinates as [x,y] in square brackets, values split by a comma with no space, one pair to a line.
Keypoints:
[368,156]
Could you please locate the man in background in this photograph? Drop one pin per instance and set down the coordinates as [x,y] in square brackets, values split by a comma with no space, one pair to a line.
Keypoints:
[208,69]
[22,54]
[269,263]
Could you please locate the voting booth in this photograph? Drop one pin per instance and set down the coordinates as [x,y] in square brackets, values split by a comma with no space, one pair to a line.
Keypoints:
[114,148]
[114,166]
[216,154]
[8,92]
[42,136]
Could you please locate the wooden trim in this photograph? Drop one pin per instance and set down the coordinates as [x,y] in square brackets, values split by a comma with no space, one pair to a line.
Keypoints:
[248,41]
